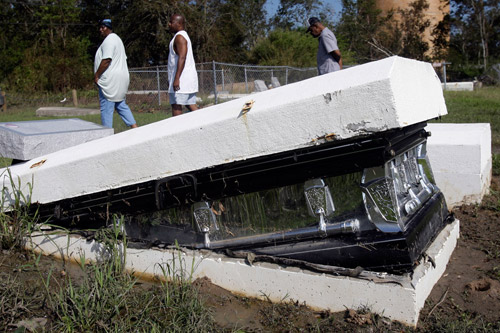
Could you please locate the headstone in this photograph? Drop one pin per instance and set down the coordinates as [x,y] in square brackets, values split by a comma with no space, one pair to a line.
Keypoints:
[260,85]
[275,82]
[496,72]
[25,140]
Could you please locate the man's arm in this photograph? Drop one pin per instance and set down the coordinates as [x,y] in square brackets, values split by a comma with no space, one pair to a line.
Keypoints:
[102,68]
[180,47]
[337,56]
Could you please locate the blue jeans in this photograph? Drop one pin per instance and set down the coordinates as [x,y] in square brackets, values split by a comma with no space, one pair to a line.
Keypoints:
[108,107]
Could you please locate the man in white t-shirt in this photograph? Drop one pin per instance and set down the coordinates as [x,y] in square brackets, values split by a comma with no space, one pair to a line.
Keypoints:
[182,75]
[112,77]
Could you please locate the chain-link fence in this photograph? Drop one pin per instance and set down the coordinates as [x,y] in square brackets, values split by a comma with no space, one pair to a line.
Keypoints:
[450,74]
[216,80]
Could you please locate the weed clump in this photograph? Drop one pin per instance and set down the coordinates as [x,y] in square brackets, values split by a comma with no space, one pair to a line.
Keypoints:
[109,299]
[17,219]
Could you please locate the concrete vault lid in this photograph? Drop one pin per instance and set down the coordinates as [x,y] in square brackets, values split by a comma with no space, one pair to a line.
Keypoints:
[25,140]
[386,94]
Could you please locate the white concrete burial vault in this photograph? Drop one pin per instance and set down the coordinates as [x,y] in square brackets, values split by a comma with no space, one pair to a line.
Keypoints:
[387,94]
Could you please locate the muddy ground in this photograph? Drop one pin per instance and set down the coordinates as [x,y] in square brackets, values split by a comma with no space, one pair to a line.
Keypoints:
[466,298]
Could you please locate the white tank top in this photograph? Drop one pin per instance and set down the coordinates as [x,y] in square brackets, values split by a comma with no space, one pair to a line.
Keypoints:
[189,77]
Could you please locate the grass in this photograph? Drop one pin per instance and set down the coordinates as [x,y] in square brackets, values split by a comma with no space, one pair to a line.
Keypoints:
[108,299]
[103,297]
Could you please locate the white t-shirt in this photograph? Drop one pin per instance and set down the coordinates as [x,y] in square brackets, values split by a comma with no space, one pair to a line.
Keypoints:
[189,77]
[115,79]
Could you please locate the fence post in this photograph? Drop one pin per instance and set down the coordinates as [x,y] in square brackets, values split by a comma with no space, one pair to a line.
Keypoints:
[75,98]
[222,72]
[158,83]
[246,82]
[444,63]
[286,75]
[444,75]
[215,80]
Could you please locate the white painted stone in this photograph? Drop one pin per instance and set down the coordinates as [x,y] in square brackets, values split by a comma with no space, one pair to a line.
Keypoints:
[25,140]
[259,85]
[275,82]
[64,111]
[458,86]
[400,301]
[460,156]
[390,93]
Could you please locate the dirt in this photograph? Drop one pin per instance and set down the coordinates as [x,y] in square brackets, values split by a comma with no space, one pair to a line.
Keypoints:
[466,298]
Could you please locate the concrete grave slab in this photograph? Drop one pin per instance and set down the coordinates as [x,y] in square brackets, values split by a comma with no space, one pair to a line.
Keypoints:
[64,111]
[374,97]
[460,156]
[25,140]
[459,86]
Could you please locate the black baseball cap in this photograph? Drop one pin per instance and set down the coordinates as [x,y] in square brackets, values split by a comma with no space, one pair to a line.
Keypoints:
[311,21]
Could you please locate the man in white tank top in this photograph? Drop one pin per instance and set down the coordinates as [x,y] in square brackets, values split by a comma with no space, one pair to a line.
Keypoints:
[182,75]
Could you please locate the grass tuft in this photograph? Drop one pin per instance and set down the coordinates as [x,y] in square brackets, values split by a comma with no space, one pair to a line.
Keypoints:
[108,299]
[17,220]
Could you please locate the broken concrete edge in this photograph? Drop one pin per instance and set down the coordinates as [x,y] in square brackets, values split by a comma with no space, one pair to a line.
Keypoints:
[398,298]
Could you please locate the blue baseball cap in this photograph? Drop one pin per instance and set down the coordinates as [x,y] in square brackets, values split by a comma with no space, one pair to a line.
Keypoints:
[106,23]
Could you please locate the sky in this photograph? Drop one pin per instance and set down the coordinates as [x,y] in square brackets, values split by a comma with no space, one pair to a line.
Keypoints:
[272,6]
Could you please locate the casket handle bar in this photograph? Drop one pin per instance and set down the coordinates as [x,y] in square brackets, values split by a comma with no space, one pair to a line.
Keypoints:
[348,226]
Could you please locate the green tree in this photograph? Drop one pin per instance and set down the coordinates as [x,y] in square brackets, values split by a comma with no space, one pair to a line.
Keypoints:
[55,57]
[408,34]
[441,37]
[365,30]
[293,14]
[226,30]
[475,31]
[144,30]
[19,31]
[371,34]
[285,48]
